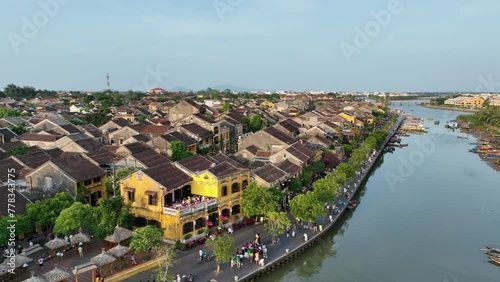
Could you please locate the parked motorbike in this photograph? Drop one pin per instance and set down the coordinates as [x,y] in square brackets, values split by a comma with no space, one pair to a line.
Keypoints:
[205,257]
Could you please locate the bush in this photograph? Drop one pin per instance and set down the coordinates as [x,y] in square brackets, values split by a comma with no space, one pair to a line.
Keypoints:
[180,246]
[225,221]
[187,236]
[201,231]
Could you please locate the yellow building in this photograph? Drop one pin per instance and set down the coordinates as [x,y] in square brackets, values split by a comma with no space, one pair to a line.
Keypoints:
[464,101]
[186,197]
[266,103]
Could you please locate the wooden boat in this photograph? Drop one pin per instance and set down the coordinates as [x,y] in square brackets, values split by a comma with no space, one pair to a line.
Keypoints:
[436,122]
[495,259]
[463,136]
[496,250]
[352,204]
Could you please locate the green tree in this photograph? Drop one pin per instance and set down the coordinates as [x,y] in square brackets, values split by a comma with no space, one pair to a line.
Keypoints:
[294,185]
[111,212]
[257,200]
[306,176]
[19,129]
[71,219]
[227,106]
[18,150]
[276,223]
[179,151]
[342,173]
[4,113]
[145,238]
[88,98]
[22,226]
[306,207]
[325,189]
[317,167]
[255,123]
[223,249]
[168,257]
[142,118]
[43,213]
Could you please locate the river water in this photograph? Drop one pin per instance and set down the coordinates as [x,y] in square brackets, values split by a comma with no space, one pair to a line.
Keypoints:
[424,213]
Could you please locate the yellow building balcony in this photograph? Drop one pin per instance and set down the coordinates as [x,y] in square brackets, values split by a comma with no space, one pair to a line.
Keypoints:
[180,210]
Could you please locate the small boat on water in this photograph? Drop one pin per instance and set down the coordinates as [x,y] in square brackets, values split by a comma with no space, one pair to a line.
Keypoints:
[494,259]
[436,122]
[430,118]
[352,204]
[463,136]
[491,249]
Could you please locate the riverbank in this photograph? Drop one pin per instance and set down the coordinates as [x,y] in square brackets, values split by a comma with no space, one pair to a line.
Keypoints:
[448,108]
[279,255]
[327,225]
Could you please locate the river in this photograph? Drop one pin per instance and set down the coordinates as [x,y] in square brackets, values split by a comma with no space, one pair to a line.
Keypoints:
[424,213]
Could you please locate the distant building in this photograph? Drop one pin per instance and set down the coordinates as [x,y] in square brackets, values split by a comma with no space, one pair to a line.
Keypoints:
[464,101]
[156,90]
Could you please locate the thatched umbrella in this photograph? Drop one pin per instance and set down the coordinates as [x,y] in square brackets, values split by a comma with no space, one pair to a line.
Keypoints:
[103,259]
[55,243]
[120,234]
[79,238]
[118,252]
[56,275]
[35,279]
[17,259]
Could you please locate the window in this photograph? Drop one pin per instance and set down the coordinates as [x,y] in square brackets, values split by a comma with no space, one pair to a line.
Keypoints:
[187,227]
[235,188]
[152,200]
[224,190]
[236,209]
[245,184]
[96,180]
[87,182]
[200,223]
[131,196]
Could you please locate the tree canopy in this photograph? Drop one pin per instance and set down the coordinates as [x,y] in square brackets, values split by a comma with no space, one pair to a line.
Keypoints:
[110,212]
[223,249]
[179,151]
[146,238]
[71,219]
[307,206]
[276,223]
[325,189]
[257,200]
[43,213]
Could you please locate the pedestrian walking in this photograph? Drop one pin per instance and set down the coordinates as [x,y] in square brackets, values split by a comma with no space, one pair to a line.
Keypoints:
[80,250]
[293,233]
[40,263]
[287,231]
[132,258]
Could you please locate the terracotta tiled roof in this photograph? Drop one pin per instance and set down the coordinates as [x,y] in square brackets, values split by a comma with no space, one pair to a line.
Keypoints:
[263,154]
[223,169]
[195,163]
[7,164]
[300,151]
[169,176]
[34,160]
[136,147]
[197,130]
[78,167]
[5,147]
[269,173]
[150,158]
[288,167]
[155,129]
[141,138]
[177,136]
[38,137]
[7,134]
[279,135]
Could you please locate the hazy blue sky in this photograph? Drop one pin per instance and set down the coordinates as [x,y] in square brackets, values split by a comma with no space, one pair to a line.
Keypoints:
[267,44]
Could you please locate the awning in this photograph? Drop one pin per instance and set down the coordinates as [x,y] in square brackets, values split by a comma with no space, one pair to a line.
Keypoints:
[129,189]
[150,193]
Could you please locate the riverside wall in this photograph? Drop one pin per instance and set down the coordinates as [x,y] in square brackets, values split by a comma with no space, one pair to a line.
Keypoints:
[314,239]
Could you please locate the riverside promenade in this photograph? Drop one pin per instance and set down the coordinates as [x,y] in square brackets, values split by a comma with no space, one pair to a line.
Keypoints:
[277,254]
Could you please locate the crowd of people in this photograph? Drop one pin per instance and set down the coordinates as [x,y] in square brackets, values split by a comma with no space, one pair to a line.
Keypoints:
[251,252]
[189,201]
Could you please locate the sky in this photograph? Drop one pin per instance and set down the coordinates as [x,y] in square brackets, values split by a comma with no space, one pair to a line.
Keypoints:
[331,45]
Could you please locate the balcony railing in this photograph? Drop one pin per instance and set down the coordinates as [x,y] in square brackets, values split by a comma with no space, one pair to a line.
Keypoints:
[185,210]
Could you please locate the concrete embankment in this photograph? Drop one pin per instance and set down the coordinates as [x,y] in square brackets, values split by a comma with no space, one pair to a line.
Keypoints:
[449,108]
[293,253]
